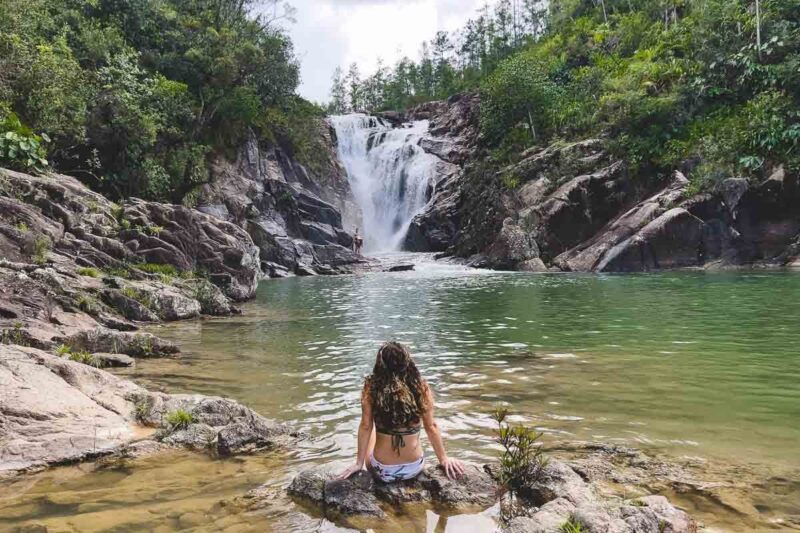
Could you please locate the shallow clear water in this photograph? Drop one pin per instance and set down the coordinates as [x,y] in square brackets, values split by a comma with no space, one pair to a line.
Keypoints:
[688,363]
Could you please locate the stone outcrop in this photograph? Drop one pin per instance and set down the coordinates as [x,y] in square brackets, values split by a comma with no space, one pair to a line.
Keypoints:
[362,495]
[57,220]
[575,207]
[452,136]
[560,495]
[80,271]
[296,218]
[56,411]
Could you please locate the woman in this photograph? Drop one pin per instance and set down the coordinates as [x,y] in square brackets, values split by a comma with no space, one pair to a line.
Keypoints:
[395,404]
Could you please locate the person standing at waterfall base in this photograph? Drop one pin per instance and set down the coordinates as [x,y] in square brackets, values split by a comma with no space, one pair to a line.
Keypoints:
[396,404]
[358,242]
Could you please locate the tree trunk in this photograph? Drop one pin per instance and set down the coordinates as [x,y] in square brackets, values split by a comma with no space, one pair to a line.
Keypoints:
[758,28]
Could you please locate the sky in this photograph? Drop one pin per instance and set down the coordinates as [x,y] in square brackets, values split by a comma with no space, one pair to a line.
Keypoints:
[331,33]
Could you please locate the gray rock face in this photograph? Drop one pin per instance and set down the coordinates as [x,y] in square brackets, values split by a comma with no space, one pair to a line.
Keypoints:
[362,495]
[585,212]
[296,219]
[85,228]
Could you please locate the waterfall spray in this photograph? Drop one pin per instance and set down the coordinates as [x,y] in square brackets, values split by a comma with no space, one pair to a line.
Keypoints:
[388,172]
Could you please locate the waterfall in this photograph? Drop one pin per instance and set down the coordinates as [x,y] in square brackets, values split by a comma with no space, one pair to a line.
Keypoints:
[389,173]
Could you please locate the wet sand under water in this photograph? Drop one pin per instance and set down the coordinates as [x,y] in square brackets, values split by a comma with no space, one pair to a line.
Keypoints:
[698,368]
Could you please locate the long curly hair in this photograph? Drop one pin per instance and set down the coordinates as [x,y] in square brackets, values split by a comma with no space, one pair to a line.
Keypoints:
[395,389]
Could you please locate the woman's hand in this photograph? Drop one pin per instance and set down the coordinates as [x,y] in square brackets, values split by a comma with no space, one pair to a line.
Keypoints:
[453,468]
[350,471]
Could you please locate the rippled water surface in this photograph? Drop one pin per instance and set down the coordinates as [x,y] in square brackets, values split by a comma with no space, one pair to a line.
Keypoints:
[699,364]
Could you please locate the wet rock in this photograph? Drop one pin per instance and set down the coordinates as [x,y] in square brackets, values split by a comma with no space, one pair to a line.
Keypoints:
[103,340]
[246,437]
[349,498]
[360,494]
[195,436]
[105,360]
[588,255]
[400,268]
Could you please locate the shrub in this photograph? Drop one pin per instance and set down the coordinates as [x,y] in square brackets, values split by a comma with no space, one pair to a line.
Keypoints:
[179,419]
[20,148]
[521,461]
[89,272]
[41,249]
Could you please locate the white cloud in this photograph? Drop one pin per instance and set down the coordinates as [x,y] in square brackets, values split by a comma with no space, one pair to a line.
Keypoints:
[331,33]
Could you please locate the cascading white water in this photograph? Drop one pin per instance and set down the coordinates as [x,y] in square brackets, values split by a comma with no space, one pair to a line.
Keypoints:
[388,172]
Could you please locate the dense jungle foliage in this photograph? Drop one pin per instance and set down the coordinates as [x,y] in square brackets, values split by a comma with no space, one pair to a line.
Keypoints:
[712,86]
[136,97]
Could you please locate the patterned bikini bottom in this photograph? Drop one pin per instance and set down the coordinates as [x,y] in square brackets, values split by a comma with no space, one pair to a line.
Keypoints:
[392,473]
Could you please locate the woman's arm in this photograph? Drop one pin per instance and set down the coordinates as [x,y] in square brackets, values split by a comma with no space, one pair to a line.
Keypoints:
[365,430]
[452,467]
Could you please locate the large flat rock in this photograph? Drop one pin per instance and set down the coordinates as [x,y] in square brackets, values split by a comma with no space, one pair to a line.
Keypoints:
[56,411]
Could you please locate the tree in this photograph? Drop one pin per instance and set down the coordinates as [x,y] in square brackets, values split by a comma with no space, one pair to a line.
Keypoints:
[520,91]
[338,103]
[354,88]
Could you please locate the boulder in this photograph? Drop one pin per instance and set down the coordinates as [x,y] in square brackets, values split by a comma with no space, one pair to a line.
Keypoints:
[512,247]
[106,360]
[110,341]
[195,436]
[55,411]
[673,240]
[361,494]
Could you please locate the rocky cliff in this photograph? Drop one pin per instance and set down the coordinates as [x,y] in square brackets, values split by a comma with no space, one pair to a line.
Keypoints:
[575,207]
[300,220]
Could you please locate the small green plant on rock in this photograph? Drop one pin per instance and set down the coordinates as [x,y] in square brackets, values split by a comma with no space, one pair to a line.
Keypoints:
[142,409]
[87,304]
[89,272]
[153,230]
[22,227]
[14,336]
[521,461]
[85,358]
[119,272]
[179,419]
[156,268]
[140,296]
[571,526]
[63,350]
[41,249]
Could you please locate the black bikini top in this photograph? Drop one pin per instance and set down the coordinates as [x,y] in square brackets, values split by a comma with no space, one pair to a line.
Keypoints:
[398,434]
